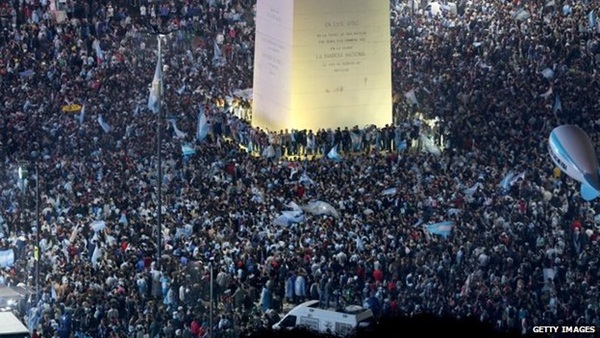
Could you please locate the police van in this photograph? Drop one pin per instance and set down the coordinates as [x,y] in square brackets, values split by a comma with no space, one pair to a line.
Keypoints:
[310,316]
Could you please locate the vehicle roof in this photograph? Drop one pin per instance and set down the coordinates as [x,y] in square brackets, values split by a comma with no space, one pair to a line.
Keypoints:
[9,323]
[354,310]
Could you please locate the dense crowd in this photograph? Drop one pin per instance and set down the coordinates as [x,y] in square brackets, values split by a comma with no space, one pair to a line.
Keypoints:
[498,81]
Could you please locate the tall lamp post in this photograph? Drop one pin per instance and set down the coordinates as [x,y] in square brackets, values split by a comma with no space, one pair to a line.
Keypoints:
[157,90]
[23,173]
[155,104]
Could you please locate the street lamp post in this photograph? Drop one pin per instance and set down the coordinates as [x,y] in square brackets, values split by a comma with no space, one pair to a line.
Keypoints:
[37,234]
[157,90]
[212,300]
[23,173]
[157,87]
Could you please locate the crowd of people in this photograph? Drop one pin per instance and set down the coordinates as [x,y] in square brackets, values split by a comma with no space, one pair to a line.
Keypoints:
[498,75]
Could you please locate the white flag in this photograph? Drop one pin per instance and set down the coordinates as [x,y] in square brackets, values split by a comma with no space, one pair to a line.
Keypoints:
[82,114]
[202,128]
[103,124]
[178,133]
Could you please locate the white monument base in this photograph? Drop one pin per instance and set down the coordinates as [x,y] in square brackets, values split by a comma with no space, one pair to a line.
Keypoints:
[322,64]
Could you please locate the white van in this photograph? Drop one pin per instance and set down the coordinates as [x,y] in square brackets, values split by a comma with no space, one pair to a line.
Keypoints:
[339,322]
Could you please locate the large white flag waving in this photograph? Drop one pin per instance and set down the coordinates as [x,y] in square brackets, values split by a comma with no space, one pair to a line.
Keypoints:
[202,128]
[157,83]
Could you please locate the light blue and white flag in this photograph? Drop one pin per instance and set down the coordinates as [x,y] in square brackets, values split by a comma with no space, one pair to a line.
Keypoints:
[521,15]
[202,127]
[99,51]
[515,179]
[557,104]
[34,315]
[453,211]
[304,179]
[103,124]
[321,208]
[470,191]
[217,56]
[567,10]
[187,150]
[592,18]
[26,73]
[429,146]
[401,145]
[96,254]
[178,133]
[281,221]
[505,182]
[82,114]
[548,73]
[441,229]
[181,90]
[7,258]
[157,83]
[356,137]
[136,112]
[390,191]
[98,225]
[334,155]
[293,216]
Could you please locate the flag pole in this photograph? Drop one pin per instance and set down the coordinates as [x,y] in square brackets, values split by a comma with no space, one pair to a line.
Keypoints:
[159,158]
[37,233]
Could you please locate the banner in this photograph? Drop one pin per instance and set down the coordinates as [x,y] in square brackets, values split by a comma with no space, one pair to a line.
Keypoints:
[7,258]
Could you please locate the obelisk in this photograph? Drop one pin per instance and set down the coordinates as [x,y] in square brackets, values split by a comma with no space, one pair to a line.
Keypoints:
[322,64]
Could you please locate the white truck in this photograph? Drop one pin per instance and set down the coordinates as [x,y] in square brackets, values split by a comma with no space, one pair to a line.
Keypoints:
[338,322]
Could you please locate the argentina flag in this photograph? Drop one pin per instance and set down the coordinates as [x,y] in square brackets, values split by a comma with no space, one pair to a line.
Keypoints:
[157,83]
[441,229]
[202,128]
[187,150]
[334,155]
[505,182]
[7,258]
